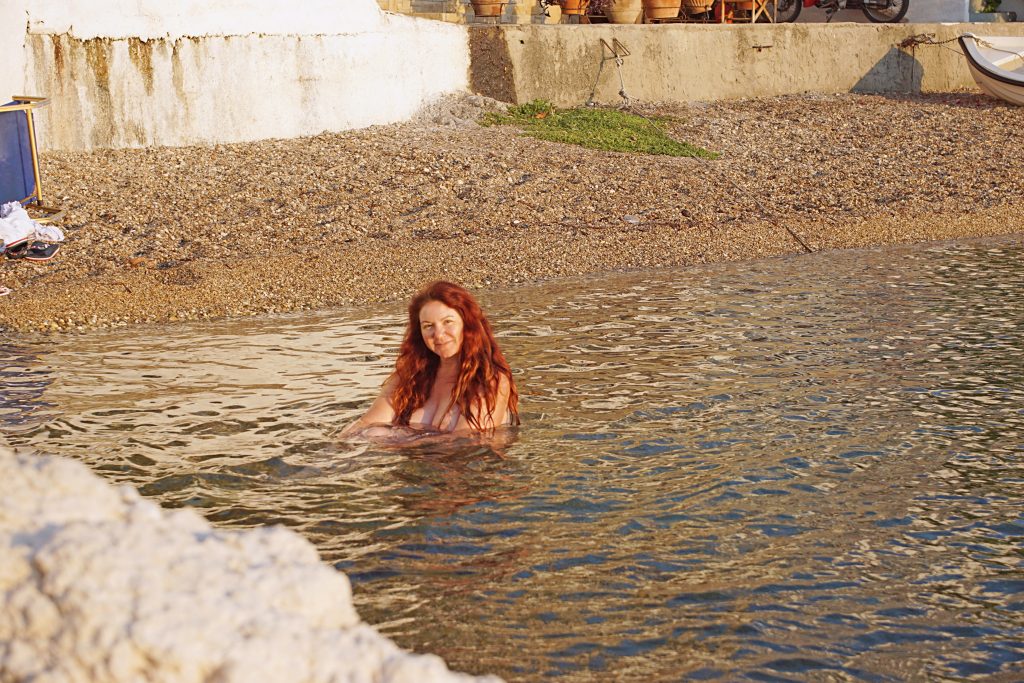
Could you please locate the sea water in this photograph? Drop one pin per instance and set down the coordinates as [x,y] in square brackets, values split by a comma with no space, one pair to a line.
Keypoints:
[807,468]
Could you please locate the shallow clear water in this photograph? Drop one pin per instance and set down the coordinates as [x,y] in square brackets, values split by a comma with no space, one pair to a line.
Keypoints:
[799,469]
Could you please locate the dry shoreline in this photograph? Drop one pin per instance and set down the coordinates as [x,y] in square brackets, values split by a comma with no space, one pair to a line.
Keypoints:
[165,234]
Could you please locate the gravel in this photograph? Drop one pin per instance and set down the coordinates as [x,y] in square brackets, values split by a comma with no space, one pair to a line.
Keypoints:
[163,234]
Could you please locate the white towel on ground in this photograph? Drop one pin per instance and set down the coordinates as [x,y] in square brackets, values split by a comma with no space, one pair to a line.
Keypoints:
[16,226]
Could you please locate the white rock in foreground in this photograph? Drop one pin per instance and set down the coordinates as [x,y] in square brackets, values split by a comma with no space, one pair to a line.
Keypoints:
[101,585]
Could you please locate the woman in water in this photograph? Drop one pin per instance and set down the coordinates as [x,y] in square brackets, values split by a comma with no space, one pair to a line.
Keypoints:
[450,375]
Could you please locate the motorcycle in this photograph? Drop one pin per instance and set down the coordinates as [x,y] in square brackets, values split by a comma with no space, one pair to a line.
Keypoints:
[877,11]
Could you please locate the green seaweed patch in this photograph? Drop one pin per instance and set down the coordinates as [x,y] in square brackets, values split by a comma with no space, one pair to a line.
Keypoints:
[596,128]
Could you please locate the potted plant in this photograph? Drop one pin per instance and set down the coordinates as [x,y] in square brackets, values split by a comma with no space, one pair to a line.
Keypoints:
[619,11]
[693,7]
[487,8]
[571,7]
[662,9]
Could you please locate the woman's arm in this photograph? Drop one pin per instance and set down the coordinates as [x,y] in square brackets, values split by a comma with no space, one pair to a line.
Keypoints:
[380,411]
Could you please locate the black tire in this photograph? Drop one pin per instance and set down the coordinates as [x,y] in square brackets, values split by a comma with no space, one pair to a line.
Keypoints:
[786,11]
[896,10]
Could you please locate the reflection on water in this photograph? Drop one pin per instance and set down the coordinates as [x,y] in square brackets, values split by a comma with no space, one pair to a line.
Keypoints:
[797,469]
[23,379]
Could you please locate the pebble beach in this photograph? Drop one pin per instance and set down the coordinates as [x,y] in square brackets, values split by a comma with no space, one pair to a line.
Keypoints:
[167,234]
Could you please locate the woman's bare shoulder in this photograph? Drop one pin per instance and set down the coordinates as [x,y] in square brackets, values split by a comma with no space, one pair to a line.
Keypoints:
[389,386]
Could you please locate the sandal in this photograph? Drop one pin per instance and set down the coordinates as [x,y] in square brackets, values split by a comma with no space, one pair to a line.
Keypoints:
[17,250]
[42,251]
[36,251]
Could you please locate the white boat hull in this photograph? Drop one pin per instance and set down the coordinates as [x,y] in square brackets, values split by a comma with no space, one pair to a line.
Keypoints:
[997,65]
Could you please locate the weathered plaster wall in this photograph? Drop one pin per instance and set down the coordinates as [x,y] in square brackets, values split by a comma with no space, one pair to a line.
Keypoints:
[99,584]
[13,18]
[682,63]
[146,72]
[166,19]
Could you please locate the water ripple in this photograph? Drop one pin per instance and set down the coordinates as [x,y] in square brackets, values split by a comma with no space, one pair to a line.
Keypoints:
[796,469]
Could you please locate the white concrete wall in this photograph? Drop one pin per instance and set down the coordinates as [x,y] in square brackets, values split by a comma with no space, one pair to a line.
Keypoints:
[13,17]
[153,72]
[148,19]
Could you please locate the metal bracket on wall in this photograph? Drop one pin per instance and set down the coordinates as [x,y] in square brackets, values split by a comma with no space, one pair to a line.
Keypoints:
[615,51]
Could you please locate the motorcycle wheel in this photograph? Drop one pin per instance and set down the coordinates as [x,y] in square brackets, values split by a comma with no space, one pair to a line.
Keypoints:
[786,11]
[890,14]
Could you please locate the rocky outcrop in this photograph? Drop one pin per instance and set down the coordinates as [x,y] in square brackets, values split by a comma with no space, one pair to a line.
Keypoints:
[99,584]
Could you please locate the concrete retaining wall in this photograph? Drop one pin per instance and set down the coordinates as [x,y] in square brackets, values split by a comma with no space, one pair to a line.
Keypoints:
[682,63]
[124,73]
[150,72]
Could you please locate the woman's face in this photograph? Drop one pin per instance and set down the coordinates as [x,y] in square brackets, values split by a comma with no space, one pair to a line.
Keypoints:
[441,328]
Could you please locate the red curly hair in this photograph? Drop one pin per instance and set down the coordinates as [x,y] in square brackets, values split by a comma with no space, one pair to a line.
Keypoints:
[482,363]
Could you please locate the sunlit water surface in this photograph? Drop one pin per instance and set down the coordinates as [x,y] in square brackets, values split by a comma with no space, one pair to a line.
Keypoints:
[798,469]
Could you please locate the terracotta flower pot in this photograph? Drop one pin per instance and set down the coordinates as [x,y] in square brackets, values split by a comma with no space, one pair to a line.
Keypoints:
[697,6]
[661,9]
[487,8]
[625,11]
[574,6]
